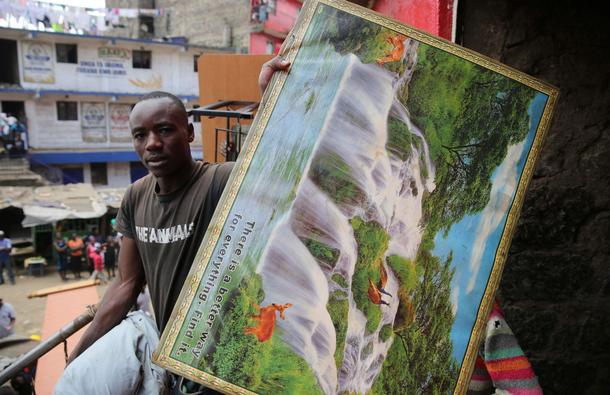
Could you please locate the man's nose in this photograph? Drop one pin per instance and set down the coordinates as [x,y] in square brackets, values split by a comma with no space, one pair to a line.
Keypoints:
[153,142]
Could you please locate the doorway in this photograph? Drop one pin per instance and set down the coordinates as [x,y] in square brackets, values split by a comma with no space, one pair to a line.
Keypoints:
[14,108]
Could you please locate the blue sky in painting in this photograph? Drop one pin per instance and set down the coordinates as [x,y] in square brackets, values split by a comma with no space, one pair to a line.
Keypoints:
[475,238]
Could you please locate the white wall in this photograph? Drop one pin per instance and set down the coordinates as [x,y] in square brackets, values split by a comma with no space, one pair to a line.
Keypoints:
[171,68]
[46,132]
[118,174]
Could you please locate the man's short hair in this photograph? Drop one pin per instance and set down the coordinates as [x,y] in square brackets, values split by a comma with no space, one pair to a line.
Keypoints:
[161,94]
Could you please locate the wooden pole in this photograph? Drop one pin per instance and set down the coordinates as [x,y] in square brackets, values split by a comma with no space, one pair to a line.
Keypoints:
[47,345]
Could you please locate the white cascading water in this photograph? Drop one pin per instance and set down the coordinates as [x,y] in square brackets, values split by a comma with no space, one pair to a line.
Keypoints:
[355,130]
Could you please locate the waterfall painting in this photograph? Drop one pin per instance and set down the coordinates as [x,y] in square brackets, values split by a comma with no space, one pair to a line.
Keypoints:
[359,243]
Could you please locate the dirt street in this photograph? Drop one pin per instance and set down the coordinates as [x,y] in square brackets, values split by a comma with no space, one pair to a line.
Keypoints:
[30,312]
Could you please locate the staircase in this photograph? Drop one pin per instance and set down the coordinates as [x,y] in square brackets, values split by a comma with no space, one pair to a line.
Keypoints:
[16,172]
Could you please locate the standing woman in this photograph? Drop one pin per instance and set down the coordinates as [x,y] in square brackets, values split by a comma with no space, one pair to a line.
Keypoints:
[75,245]
[110,256]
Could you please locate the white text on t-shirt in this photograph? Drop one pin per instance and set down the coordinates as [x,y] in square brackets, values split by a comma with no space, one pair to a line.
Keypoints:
[164,235]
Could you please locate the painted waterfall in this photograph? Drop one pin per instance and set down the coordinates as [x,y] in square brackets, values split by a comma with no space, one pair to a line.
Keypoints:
[355,255]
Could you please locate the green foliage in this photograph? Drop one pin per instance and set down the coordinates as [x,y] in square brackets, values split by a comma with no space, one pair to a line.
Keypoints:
[405,270]
[236,356]
[347,34]
[283,372]
[398,67]
[420,358]
[399,139]
[332,175]
[408,278]
[268,367]
[322,252]
[372,242]
[385,333]
[339,279]
[338,309]
[470,115]
[310,101]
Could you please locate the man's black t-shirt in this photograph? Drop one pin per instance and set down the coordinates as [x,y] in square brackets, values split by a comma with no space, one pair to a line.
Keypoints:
[168,229]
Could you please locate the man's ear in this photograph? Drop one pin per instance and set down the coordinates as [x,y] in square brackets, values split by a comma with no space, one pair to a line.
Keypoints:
[191,133]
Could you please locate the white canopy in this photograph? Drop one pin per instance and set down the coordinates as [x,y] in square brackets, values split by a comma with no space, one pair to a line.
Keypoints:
[49,204]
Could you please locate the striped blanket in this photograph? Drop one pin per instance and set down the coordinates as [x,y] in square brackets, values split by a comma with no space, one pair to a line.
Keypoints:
[502,366]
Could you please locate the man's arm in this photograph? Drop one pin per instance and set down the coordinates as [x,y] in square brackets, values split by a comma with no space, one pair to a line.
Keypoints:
[120,296]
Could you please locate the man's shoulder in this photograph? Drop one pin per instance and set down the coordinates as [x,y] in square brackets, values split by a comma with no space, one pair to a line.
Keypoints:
[139,188]
[215,172]
[142,184]
[8,307]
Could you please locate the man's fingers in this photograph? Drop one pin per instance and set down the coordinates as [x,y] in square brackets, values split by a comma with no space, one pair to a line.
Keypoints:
[270,67]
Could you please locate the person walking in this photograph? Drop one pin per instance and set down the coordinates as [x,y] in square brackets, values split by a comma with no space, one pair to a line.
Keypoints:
[61,247]
[90,248]
[98,264]
[5,259]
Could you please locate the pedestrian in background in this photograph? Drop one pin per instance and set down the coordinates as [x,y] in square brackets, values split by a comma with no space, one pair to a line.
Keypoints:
[5,260]
[7,319]
[110,256]
[75,245]
[61,247]
[90,248]
[98,264]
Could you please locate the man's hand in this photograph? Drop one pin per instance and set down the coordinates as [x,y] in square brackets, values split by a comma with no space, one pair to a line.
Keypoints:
[270,67]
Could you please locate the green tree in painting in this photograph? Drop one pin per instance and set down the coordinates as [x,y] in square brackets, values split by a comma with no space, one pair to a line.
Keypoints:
[267,367]
[470,117]
[372,242]
[420,358]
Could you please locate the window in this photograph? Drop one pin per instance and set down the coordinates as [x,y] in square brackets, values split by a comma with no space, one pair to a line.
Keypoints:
[141,59]
[137,171]
[67,111]
[66,53]
[72,175]
[99,174]
[147,26]
[270,47]
[195,59]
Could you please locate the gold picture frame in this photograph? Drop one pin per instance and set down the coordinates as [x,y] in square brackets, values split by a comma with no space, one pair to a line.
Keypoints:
[165,354]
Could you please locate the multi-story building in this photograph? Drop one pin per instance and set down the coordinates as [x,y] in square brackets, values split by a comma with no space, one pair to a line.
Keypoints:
[76,92]
[219,24]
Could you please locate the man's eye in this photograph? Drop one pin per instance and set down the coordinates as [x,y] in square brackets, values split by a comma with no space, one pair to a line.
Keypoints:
[138,136]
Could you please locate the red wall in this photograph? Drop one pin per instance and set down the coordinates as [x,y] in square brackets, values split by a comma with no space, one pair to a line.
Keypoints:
[432,16]
[281,22]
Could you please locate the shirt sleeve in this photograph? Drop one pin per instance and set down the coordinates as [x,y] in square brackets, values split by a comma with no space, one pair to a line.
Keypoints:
[11,312]
[124,218]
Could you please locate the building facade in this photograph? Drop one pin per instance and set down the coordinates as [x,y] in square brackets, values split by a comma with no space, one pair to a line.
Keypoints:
[75,94]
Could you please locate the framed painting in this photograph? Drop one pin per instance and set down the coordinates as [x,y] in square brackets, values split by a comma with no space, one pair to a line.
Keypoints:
[360,241]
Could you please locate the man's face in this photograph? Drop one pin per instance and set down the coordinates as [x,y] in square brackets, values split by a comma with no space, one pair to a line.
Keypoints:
[161,136]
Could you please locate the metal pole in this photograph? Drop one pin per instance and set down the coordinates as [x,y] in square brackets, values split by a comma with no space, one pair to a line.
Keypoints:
[47,345]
